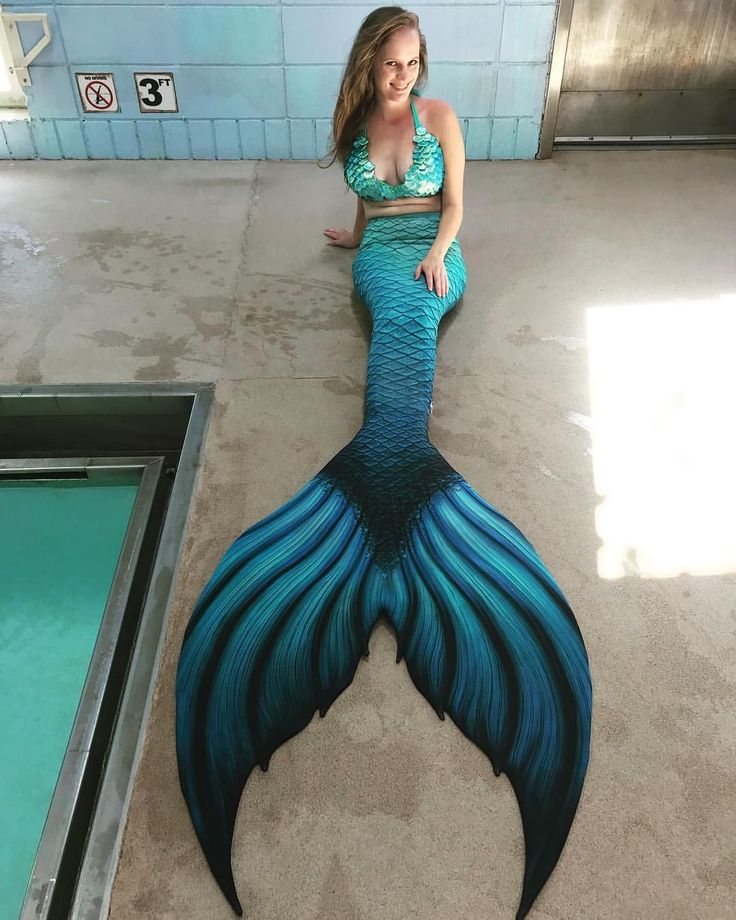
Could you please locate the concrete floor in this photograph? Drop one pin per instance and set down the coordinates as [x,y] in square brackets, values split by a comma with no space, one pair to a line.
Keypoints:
[218,271]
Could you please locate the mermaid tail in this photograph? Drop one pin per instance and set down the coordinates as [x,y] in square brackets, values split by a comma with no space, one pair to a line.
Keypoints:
[387,526]
[489,638]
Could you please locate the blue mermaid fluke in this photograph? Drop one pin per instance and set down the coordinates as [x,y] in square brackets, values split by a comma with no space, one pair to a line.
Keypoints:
[387,527]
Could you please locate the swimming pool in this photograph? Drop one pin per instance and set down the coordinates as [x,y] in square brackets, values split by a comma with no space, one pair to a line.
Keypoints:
[60,541]
[95,486]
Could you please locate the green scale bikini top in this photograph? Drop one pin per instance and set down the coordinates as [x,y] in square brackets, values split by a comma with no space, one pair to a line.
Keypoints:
[423,178]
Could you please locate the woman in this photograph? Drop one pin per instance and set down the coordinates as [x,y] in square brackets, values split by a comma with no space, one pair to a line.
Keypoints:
[388,526]
[420,152]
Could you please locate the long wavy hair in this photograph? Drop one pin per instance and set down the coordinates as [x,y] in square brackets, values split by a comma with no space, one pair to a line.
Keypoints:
[356,95]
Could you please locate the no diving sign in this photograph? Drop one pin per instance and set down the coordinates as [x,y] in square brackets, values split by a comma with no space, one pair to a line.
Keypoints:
[97,92]
[156,92]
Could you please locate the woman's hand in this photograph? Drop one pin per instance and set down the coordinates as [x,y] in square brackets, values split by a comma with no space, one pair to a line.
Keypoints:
[435,272]
[343,237]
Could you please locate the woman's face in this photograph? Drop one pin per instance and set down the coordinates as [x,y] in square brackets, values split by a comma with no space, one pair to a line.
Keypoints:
[396,66]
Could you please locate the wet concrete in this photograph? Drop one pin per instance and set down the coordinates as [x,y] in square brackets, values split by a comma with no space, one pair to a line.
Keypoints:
[218,271]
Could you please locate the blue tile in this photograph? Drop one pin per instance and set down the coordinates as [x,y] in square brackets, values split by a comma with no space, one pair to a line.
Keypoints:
[19,140]
[302,139]
[205,92]
[239,97]
[99,139]
[461,33]
[150,139]
[45,139]
[96,32]
[160,2]
[527,33]
[125,139]
[277,140]
[230,92]
[222,35]
[320,34]
[464,125]
[183,34]
[527,138]
[30,32]
[4,150]
[202,139]
[503,138]
[71,139]
[359,11]
[252,139]
[469,88]
[478,138]
[51,94]
[323,129]
[311,92]
[362,11]
[521,89]
[176,139]
[227,139]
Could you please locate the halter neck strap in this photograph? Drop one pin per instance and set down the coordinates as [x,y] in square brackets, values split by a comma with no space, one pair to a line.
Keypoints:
[417,123]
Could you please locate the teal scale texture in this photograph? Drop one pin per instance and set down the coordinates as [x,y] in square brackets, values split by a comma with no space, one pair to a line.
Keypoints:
[387,527]
[423,179]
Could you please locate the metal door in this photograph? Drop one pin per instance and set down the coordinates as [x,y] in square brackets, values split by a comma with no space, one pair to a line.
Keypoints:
[654,72]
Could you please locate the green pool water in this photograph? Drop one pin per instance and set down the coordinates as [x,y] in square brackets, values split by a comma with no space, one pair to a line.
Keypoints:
[59,544]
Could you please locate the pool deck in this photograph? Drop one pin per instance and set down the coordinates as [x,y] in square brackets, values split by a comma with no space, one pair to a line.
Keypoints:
[219,271]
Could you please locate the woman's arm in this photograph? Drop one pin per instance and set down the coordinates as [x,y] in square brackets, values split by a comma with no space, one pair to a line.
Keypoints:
[360,222]
[450,138]
[345,237]
[449,135]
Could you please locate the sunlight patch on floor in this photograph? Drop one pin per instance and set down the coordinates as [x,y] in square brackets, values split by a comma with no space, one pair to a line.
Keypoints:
[662,394]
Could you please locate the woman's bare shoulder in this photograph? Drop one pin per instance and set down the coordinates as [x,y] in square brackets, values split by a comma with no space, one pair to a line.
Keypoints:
[434,114]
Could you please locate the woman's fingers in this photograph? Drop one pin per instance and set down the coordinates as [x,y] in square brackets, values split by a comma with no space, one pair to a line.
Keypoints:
[441,284]
[338,237]
[437,281]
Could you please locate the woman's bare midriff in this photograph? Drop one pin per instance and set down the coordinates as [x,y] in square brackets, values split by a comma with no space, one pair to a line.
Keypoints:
[408,205]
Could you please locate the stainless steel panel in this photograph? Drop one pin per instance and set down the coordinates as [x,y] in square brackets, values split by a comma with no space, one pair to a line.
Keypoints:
[635,70]
[658,112]
[94,884]
[651,44]
[94,399]
[42,881]
[556,69]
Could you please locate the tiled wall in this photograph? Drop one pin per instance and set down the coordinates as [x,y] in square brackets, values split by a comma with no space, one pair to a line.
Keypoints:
[258,80]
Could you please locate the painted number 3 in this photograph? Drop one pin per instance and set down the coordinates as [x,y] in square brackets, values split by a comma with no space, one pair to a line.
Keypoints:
[154,97]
